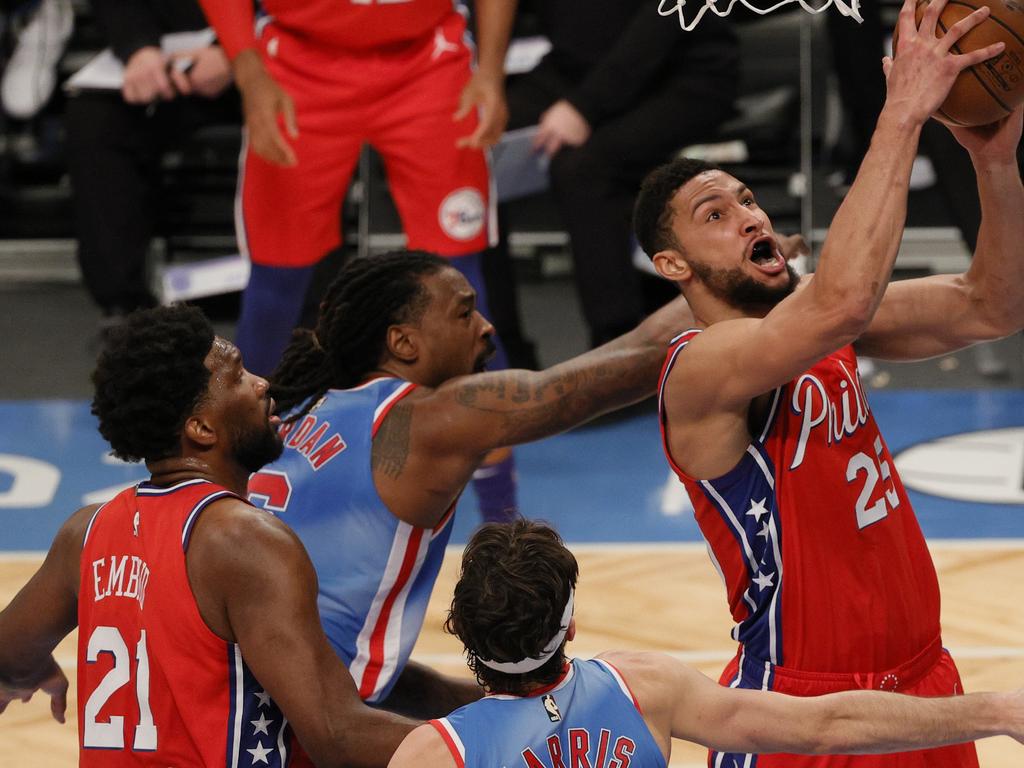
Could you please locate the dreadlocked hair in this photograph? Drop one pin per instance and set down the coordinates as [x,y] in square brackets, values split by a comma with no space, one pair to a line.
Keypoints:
[368,296]
[149,378]
[508,602]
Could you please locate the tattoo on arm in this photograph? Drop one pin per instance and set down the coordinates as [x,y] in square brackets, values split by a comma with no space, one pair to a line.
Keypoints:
[535,405]
[391,443]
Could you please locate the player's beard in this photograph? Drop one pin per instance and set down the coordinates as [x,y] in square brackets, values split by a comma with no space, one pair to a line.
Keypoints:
[740,290]
[255,447]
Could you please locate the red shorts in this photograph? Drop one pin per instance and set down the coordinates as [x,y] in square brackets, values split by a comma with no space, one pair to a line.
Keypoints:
[930,673]
[401,101]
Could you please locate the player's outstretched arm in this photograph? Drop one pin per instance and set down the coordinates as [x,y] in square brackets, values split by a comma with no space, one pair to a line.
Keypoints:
[470,415]
[690,706]
[39,617]
[255,586]
[939,314]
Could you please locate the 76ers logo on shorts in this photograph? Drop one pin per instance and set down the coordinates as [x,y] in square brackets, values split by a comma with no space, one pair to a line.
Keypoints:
[462,214]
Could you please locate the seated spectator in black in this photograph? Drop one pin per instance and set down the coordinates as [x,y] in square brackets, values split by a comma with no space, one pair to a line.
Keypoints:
[116,140]
[621,90]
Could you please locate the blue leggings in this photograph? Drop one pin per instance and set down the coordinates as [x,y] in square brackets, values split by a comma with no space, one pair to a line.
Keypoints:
[271,307]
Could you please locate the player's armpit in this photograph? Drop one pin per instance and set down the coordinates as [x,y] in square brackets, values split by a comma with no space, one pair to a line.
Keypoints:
[249,570]
[471,415]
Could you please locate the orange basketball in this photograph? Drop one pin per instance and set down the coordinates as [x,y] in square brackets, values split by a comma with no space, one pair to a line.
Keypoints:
[992,89]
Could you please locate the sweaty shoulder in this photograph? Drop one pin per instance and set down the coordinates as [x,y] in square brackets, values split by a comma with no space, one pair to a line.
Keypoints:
[66,549]
[237,550]
[650,679]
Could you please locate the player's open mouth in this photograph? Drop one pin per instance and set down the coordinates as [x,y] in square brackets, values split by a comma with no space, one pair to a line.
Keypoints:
[766,257]
[274,419]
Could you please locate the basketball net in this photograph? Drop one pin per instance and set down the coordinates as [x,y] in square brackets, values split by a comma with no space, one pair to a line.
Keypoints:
[665,8]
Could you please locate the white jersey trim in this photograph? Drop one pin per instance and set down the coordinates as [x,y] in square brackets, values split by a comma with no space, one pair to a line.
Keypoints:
[620,680]
[400,545]
[88,528]
[236,730]
[387,401]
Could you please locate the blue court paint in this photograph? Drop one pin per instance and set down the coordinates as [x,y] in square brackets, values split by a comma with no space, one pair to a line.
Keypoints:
[596,484]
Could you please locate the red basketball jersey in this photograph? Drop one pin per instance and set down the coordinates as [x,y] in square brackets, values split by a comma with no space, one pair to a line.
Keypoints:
[812,531]
[349,25]
[156,687]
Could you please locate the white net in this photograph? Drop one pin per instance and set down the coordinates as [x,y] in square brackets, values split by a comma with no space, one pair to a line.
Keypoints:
[676,7]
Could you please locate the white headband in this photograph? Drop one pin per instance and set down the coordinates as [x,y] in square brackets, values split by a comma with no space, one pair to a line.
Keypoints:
[531,663]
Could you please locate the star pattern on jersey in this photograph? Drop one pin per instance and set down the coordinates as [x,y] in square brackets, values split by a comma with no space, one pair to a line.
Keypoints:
[765,531]
[264,698]
[764,580]
[757,508]
[261,725]
[259,755]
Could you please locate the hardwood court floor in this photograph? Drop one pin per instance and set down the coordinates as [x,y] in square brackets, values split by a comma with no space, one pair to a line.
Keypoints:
[646,597]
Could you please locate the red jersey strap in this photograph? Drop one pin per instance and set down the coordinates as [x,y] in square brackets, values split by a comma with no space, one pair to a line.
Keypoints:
[388,403]
[674,348]
[451,740]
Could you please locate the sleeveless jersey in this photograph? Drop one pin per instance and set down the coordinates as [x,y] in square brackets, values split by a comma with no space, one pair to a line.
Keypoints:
[376,572]
[588,718]
[822,557]
[156,687]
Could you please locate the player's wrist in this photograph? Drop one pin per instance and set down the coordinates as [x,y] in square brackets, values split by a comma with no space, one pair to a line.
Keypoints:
[248,68]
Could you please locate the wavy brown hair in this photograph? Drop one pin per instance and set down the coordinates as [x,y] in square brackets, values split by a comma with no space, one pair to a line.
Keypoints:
[509,600]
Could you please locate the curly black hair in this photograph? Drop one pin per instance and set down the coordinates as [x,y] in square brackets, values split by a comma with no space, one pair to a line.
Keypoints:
[508,604]
[367,297]
[149,377]
[652,216]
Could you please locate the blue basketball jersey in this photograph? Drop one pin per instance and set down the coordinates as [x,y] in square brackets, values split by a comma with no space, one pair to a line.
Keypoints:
[375,571]
[588,718]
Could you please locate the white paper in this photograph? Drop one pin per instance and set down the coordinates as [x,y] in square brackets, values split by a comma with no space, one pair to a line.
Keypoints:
[105,72]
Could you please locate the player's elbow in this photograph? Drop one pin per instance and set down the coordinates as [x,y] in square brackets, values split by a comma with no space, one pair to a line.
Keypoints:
[846,319]
[844,313]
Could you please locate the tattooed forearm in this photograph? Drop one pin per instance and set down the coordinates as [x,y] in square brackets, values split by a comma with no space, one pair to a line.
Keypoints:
[391,443]
[533,405]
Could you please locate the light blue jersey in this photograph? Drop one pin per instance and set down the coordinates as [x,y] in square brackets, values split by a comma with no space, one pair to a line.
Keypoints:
[375,571]
[589,719]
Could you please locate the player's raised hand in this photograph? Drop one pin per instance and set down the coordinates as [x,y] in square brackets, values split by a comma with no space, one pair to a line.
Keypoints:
[487,93]
[925,66]
[267,106]
[53,683]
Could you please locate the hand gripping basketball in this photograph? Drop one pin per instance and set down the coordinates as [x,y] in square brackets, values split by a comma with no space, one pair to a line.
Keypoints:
[991,89]
[925,66]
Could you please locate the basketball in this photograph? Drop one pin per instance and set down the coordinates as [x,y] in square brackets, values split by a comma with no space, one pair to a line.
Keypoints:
[991,90]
